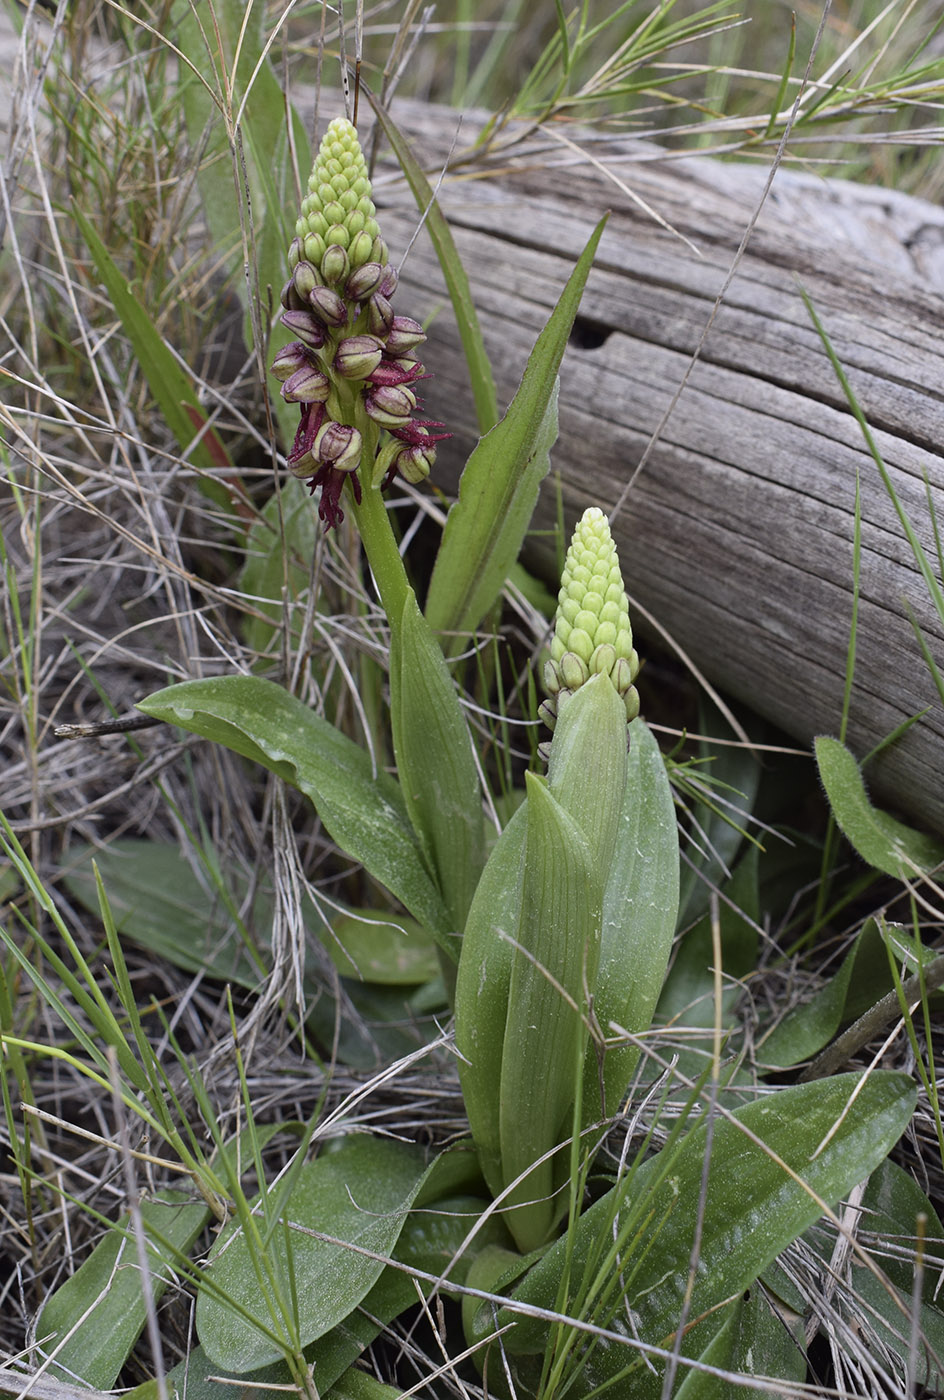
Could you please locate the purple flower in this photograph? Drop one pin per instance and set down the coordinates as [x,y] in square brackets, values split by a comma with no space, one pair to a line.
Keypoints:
[327,454]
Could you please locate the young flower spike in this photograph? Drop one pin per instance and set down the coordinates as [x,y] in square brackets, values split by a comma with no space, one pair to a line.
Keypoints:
[592,631]
[353,358]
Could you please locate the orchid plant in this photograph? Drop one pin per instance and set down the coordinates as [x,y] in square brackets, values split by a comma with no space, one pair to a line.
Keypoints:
[581,1270]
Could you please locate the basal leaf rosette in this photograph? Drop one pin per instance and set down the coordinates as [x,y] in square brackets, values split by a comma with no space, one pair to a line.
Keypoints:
[592,631]
[353,364]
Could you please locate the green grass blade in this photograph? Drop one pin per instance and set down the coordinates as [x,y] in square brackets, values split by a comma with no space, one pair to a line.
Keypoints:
[487,524]
[171,386]
[935,591]
[480,369]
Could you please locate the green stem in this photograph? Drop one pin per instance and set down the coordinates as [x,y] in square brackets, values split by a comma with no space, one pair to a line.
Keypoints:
[375,529]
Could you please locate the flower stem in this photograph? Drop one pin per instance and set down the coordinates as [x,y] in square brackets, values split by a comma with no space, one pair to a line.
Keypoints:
[373,522]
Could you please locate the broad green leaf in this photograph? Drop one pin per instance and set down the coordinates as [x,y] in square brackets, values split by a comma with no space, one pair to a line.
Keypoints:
[104,1301]
[587,778]
[374,1025]
[754,1209]
[553,965]
[430,1240]
[479,365]
[753,1340]
[640,908]
[158,899]
[894,1209]
[436,762]
[359,1195]
[482,984]
[808,1027]
[372,946]
[357,1384]
[160,902]
[882,842]
[499,487]
[171,386]
[362,810]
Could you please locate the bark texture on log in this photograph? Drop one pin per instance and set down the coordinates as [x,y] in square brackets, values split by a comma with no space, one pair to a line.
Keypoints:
[738,532]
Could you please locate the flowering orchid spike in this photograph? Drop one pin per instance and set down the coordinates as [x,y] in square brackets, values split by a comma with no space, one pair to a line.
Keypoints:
[352,362]
[592,631]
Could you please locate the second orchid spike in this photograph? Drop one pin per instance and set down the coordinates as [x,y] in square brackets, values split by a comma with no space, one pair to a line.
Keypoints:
[592,631]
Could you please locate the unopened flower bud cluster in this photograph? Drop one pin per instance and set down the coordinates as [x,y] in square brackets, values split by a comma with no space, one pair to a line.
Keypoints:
[592,631]
[353,363]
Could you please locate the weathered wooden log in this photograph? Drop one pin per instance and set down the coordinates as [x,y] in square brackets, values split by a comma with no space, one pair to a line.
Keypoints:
[738,532]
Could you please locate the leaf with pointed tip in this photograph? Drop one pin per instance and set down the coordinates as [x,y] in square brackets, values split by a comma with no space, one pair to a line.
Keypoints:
[499,488]
[358,1195]
[553,964]
[362,809]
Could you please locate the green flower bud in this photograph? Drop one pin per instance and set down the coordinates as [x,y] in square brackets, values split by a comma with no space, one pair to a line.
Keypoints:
[304,280]
[335,265]
[390,405]
[547,711]
[363,281]
[358,356]
[337,236]
[415,463]
[306,385]
[338,209]
[404,335]
[591,599]
[592,632]
[574,670]
[361,248]
[379,315]
[329,308]
[289,360]
[338,445]
[603,658]
[313,246]
[306,326]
